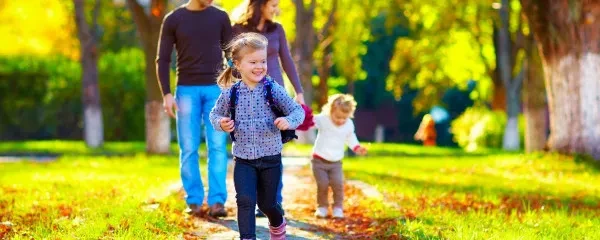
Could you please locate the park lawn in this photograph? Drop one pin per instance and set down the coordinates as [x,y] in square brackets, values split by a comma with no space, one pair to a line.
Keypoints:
[62,147]
[482,196]
[91,197]
[110,192]
[435,193]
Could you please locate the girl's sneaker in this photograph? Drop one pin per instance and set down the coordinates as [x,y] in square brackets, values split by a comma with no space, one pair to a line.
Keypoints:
[278,233]
[338,213]
[321,212]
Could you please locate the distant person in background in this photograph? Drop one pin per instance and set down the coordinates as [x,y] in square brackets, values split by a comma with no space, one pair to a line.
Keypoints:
[426,132]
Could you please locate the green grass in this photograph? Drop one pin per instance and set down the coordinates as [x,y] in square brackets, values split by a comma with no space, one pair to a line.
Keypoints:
[62,147]
[483,196]
[435,193]
[91,197]
[73,148]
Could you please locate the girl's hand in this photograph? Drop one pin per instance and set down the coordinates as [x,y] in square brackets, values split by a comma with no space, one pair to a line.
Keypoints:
[282,123]
[227,124]
[361,151]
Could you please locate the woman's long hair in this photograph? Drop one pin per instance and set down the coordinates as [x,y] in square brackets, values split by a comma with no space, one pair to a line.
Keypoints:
[250,14]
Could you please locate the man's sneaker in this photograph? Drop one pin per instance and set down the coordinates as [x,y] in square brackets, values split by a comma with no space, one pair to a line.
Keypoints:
[217,210]
[321,212]
[259,213]
[338,213]
[194,209]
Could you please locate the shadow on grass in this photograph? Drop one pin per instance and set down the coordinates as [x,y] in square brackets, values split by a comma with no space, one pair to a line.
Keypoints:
[587,161]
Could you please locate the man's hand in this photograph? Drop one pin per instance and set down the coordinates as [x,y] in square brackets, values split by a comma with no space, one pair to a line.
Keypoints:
[282,123]
[361,151]
[227,124]
[170,105]
[300,98]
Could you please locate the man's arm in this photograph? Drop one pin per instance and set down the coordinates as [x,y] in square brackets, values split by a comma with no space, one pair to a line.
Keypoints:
[163,57]
[226,34]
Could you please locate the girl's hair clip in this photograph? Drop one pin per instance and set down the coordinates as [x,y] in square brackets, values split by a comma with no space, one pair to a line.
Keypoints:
[230,63]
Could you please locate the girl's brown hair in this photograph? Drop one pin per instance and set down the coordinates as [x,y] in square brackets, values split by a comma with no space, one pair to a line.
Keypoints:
[242,44]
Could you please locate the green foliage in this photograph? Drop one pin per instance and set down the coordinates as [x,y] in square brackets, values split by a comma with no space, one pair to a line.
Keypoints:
[122,91]
[42,96]
[480,127]
[40,27]
[116,28]
[371,91]
[450,45]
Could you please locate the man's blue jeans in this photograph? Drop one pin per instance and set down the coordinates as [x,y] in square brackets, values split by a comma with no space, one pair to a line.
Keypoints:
[195,103]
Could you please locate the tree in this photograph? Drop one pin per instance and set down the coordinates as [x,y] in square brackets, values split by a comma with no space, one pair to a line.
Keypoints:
[93,125]
[118,30]
[534,100]
[449,45]
[158,133]
[477,42]
[375,62]
[22,35]
[568,37]
[303,48]
[325,55]
[506,58]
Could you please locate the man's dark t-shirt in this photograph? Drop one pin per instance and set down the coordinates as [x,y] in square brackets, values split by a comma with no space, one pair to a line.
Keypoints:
[199,38]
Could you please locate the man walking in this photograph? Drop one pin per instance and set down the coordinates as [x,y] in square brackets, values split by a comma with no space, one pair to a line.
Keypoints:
[199,33]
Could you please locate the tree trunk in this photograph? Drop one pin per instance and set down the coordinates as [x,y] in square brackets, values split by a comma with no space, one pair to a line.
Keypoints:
[158,123]
[326,62]
[324,70]
[511,140]
[158,130]
[569,43]
[499,95]
[92,118]
[303,47]
[534,102]
[505,66]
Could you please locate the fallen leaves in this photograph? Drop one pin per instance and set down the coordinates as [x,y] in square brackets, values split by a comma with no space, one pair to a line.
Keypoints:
[5,228]
[357,224]
[65,210]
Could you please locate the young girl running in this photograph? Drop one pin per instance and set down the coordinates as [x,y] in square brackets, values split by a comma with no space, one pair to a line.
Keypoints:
[336,129]
[256,131]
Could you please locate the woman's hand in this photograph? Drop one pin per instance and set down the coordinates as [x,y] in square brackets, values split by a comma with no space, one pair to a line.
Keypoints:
[300,98]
